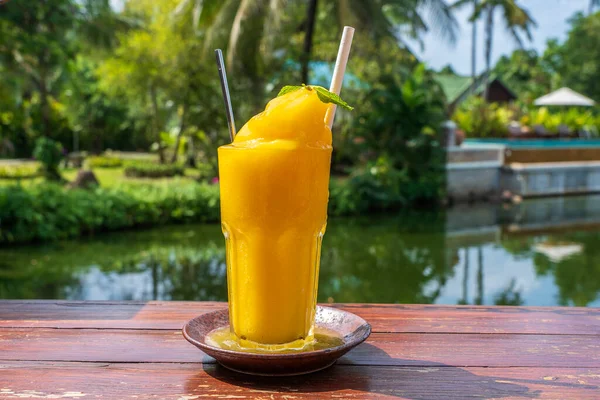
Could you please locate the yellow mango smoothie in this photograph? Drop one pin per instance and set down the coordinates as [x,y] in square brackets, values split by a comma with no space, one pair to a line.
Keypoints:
[274,181]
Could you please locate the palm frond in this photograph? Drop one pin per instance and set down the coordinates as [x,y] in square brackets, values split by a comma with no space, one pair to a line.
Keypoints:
[517,20]
[182,7]
[461,3]
[442,19]
[371,16]
[477,8]
[220,18]
[272,26]
[196,12]
[236,30]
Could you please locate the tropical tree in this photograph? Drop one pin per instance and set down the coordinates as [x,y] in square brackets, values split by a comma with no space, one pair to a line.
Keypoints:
[473,38]
[252,25]
[517,19]
[157,69]
[39,39]
[577,60]
[474,44]
[525,73]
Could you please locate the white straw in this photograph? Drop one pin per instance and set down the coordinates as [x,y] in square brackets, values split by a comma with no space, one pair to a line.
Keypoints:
[340,68]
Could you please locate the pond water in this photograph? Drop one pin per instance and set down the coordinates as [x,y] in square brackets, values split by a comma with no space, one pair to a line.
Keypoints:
[538,253]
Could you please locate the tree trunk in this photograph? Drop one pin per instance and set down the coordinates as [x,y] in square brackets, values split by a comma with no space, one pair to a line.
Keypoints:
[156,123]
[489,31]
[45,107]
[43,58]
[191,153]
[474,50]
[311,13]
[179,134]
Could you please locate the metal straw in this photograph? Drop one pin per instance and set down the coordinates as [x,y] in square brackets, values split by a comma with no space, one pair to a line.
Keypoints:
[226,95]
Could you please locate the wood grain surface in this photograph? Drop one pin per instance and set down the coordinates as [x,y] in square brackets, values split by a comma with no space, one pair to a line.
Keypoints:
[384,318]
[108,350]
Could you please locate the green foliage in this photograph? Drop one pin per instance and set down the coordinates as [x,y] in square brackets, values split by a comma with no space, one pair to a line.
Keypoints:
[49,212]
[577,120]
[49,153]
[19,171]
[577,60]
[37,42]
[398,123]
[526,74]
[104,162]
[375,187]
[12,139]
[379,186]
[542,117]
[101,120]
[573,63]
[480,119]
[142,169]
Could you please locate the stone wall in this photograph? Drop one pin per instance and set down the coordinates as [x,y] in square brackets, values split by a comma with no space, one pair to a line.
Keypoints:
[474,172]
[551,179]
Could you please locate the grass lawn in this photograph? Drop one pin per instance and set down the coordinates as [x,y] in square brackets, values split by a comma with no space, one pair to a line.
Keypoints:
[108,177]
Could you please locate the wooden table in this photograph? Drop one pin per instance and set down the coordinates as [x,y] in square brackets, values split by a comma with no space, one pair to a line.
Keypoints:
[134,350]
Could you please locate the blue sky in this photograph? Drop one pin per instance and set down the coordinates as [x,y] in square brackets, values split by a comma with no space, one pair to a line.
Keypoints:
[551,17]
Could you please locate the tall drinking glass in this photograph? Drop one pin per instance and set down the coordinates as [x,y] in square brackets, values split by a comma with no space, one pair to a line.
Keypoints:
[274,213]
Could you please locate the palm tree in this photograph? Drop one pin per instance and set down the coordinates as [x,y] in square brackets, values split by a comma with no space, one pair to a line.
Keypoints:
[473,40]
[311,15]
[474,45]
[380,17]
[518,22]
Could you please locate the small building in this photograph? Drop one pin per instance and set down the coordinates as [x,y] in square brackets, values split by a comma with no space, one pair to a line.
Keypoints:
[458,88]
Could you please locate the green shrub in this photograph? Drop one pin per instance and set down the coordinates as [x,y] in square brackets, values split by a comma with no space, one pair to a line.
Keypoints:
[379,186]
[575,119]
[104,162]
[25,171]
[479,119]
[49,153]
[141,169]
[49,212]
[206,171]
[401,160]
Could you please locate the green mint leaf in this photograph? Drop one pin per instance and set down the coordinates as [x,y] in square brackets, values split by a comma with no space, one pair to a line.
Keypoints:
[329,97]
[324,95]
[288,89]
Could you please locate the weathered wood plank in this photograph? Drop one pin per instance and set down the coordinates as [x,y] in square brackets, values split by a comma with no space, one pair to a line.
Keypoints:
[383,318]
[394,349]
[192,381]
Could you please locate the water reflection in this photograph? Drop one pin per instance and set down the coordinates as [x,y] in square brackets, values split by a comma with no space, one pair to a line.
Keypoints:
[484,255]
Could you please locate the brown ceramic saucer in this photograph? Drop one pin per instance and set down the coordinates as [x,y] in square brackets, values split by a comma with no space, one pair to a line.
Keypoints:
[351,328]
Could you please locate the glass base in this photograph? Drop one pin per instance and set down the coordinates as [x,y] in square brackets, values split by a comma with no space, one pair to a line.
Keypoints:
[225,339]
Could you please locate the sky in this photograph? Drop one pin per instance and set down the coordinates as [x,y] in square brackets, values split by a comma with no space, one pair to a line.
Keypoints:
[552,22]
